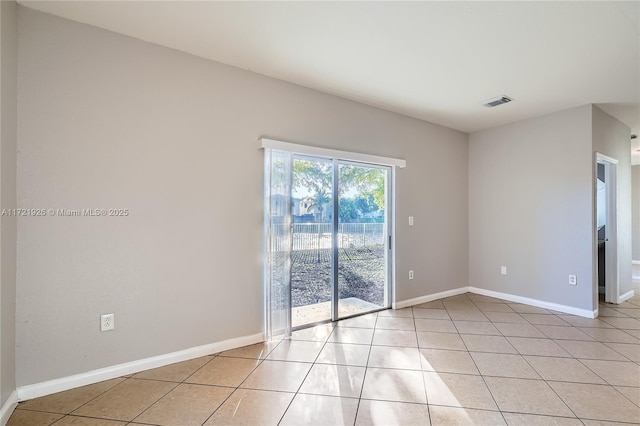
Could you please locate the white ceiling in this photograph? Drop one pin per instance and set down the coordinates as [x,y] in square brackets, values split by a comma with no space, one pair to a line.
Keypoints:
[437,61]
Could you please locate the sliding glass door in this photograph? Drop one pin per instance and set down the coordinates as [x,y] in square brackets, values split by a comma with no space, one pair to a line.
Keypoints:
[311,255]
[339,257]
[362,250]
[327,240]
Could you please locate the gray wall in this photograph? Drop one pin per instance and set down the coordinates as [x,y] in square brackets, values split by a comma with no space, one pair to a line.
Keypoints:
[635,206]
[531,208]
[8,225]
[109,121]
[612,138]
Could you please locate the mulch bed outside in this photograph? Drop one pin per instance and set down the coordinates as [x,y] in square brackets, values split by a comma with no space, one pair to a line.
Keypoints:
[361,274]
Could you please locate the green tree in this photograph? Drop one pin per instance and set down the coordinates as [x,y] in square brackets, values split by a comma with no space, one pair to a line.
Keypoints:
[366,204]
[316,177]
[349,212]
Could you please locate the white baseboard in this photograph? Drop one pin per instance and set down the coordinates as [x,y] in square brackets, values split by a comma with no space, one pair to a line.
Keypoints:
[65,383]
[624,297]
[635,262]
[8,407]
[535,302]
[430,297]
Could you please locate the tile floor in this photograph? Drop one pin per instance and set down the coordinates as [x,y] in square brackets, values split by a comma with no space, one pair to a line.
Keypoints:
[464,360]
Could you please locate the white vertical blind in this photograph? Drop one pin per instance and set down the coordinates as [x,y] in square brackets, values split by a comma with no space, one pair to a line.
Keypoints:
[277,217]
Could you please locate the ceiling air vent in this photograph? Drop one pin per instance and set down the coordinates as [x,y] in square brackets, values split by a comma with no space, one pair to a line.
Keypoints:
[497,101]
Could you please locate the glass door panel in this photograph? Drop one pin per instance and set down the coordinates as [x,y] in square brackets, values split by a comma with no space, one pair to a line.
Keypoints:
[362,239]
[312,242]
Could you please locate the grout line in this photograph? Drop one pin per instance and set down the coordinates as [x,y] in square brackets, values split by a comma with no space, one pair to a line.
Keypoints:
[366,368]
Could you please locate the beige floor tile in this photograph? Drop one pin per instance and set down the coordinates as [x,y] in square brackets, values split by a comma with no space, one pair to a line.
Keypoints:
[222,371]
[126,400]
[584,322]
[452,416]
[503,365]
[177,372]
[444,361]
[632,393]
[479,298]
[441,326]
[494,307]
[617,373]
[464,297]
[634,333]
[185,405]
[526,309]
[483,343]
[395,338]
[517,419]
[475,315]
[632,352]
[459,305]
[257,351]
[598,402]
[363,321]
[632,312]
[563,333]
[318,333]
[436,304]
[433,340]
[541,319]
[87,421]
[394,357]
[563,370]
[602,423]
[67,401]
[626,323]
[252,407]
[386,413]
[471,327]
[396,313]
[608,312]
[534,346]
[393,323]
[590,350]
[344,354]
[334,380]
[32,418]
[394,385]
[518,330]
[609,335]
[296,350]
[320,410]
[280,376]
[508,317]
[527,396]
[458,390]
[361,336]
[431,314]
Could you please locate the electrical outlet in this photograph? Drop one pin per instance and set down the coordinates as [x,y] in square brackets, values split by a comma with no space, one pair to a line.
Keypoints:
[410,220]
[107,322]
[410,275]
[573,280]
[503,270]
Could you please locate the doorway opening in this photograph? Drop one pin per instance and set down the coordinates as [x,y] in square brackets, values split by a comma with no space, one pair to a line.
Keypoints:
[606,230]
